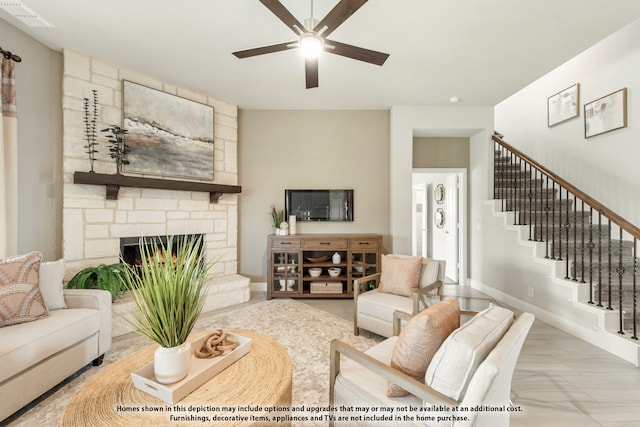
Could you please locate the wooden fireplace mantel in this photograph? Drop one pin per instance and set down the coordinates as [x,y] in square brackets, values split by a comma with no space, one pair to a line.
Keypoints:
[113,182]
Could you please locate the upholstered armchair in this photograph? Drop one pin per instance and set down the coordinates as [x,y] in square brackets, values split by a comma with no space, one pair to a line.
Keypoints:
[439,376]
[405,283]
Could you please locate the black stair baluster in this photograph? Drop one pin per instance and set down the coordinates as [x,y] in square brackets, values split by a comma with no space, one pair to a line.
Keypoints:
[575,239]
[530,207]
[519,189]
[516,201]
[507,176]
[507,180]
[519,178]
[495,168]
[553,220]
[566,227]
[504,179]
[620,274]
[501,175]
[635,296]
[541,207]
[582,245]
[534,184]
[518,192]
[559,258]
[523,193]
[591,246]
[546,208]
[599,259]
[515,188]
[610,264]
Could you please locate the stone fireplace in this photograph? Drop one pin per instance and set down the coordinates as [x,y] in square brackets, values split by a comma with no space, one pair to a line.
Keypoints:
[93,225]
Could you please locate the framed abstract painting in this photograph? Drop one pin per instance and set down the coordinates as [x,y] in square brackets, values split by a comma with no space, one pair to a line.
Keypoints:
[563,105]
[168,135]
[606,114]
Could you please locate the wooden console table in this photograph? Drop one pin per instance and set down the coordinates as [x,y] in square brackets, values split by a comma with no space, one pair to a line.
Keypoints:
[261,378]
[291,257]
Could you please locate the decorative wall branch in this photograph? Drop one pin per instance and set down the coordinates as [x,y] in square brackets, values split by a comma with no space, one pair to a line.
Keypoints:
[90,123]
[119,149]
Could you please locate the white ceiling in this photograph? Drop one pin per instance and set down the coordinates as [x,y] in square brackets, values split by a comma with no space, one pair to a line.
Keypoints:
[480,50]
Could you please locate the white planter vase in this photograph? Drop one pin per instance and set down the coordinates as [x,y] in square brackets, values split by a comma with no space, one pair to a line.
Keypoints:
[170,365]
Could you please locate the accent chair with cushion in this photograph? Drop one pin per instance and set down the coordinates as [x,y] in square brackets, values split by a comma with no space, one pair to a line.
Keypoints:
[434,368]
[405,283]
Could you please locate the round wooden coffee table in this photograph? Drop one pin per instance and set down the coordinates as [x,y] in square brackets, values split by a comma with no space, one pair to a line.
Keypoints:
[262,378]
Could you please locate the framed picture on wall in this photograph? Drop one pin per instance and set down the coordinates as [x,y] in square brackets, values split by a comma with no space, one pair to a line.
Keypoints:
[606,114]
[168,135]
[563,105]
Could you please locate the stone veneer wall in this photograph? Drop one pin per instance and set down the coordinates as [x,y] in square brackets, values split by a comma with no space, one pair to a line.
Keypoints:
[92,225]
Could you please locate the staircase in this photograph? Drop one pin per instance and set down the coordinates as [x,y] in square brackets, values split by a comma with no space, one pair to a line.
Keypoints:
[595,245]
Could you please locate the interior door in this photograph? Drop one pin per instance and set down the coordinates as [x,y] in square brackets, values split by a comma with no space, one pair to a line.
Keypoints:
[452,227]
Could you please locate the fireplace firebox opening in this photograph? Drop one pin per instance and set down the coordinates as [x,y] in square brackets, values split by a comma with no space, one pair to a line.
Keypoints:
[130,247]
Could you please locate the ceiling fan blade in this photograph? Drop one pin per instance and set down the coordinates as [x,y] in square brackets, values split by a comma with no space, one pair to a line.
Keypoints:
[340,13]
[311,72]
[265,49]
[354,52]
[283,14]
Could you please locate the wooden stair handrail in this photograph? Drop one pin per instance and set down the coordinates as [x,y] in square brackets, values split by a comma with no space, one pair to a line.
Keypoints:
[599,207]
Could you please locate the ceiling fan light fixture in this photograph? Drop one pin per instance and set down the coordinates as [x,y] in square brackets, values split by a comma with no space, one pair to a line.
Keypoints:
[310,45]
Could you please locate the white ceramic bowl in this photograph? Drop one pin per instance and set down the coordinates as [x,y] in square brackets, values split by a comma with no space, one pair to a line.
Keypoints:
[315,272]
[334,272]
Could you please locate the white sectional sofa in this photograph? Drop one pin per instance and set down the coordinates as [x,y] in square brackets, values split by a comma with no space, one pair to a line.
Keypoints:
[37,355]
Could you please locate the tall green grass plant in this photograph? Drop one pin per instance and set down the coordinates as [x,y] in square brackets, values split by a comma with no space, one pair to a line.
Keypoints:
[169,290]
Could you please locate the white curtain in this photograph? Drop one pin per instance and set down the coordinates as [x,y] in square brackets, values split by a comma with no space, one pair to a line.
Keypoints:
[8,163]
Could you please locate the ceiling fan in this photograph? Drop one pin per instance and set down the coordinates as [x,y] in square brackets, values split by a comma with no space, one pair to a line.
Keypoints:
[312,36]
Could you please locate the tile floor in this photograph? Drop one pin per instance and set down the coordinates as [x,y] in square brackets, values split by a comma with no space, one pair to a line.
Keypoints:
[560,380]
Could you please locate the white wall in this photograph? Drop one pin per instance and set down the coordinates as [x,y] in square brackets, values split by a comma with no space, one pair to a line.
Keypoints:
[604,166]
[473,122]
[39,101]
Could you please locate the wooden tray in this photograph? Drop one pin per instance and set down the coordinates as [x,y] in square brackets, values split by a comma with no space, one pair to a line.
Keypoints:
[200,371]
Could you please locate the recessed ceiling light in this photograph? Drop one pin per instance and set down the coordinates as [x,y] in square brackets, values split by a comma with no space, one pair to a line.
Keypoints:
[23,13]
[455,99]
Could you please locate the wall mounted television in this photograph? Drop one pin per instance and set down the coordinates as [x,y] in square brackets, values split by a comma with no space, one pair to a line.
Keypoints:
[319,205]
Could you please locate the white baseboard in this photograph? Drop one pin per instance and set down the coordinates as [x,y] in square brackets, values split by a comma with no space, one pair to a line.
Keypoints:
[618,345]
[258,286]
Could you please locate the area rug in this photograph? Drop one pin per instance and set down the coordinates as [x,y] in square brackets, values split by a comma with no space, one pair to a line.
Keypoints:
[305,332]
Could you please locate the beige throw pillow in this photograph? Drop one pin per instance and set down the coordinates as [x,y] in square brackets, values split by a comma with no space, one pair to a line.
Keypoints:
[419,340]
[400,275]
[457,359]
[20,297]
[51,284]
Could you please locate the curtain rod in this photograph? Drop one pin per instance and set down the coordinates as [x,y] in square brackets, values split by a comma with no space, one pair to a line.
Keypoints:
[10,55]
